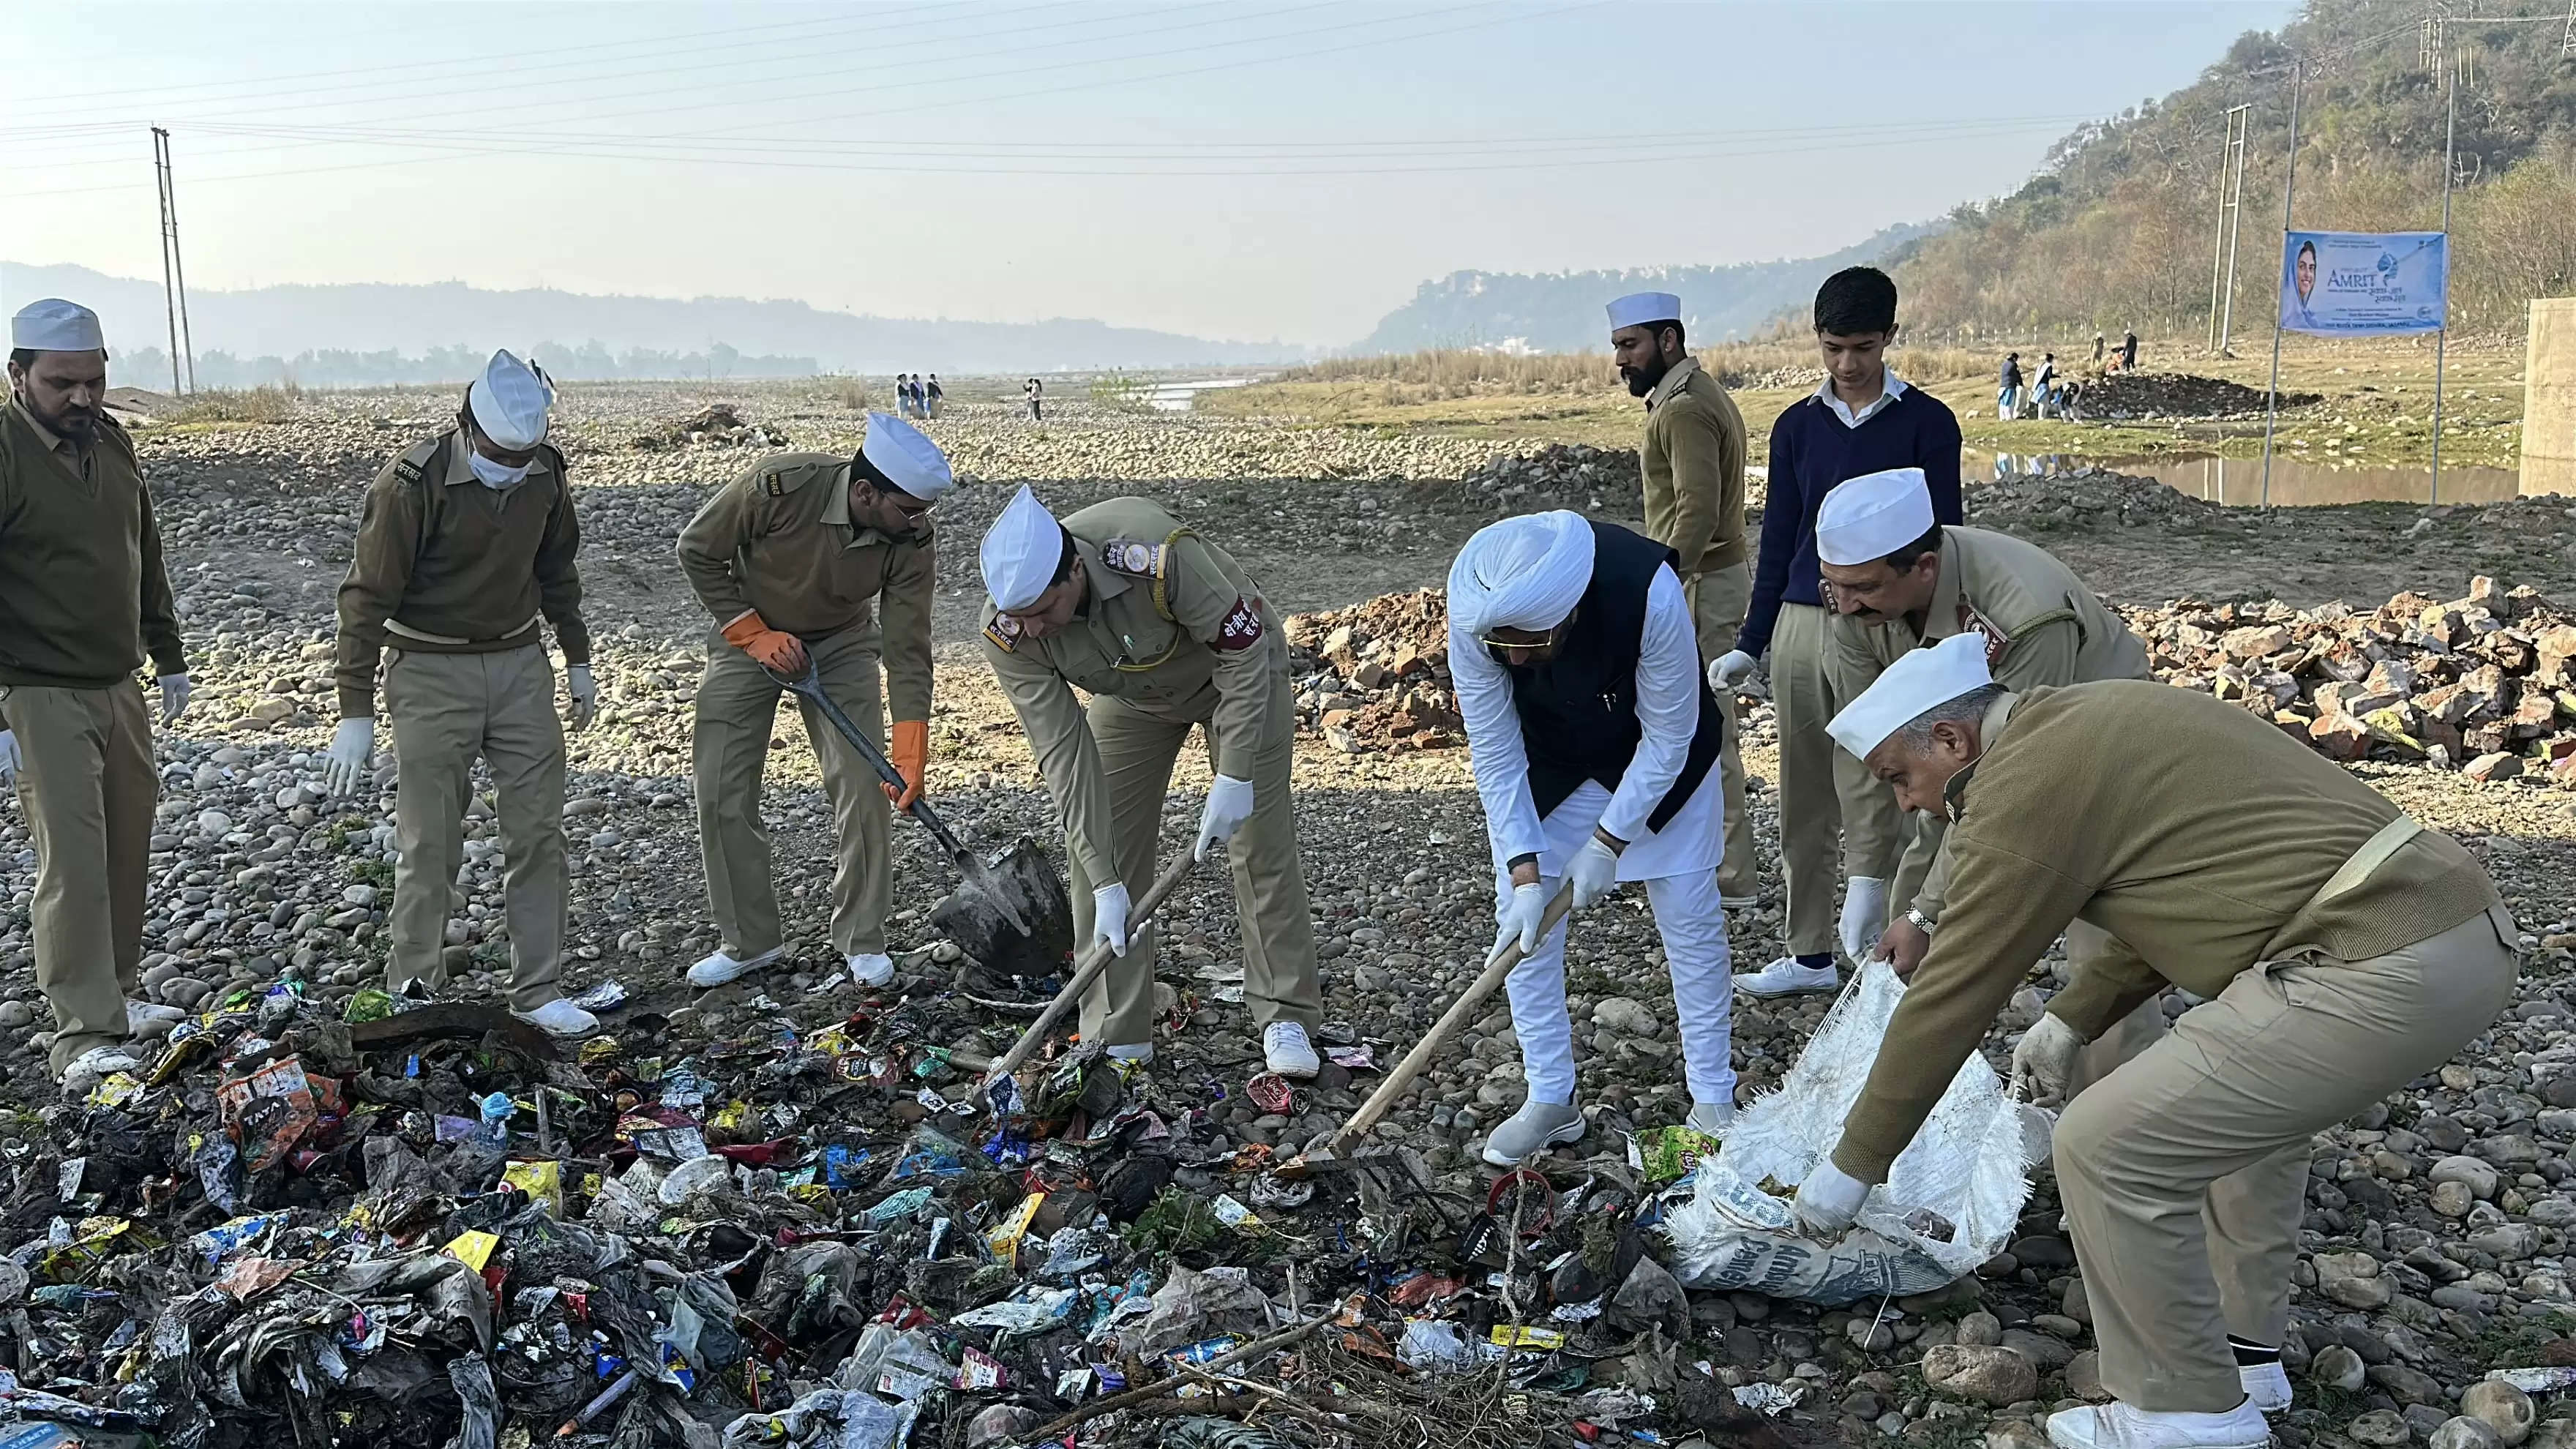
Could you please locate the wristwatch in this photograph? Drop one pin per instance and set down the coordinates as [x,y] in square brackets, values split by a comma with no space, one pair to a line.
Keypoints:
[1921,921]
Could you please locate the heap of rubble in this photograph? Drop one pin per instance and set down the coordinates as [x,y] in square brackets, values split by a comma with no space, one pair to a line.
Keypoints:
[2484,684]
[1560,475]
[1374,678]
[2142,395]
[717,425]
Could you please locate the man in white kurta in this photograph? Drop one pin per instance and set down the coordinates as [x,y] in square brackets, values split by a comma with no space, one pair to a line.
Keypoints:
[1594,742]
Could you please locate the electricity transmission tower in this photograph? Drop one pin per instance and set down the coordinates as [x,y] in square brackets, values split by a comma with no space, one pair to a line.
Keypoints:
[2231,205]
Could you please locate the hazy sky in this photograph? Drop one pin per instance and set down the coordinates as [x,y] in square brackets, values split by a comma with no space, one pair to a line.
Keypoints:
[1285,168]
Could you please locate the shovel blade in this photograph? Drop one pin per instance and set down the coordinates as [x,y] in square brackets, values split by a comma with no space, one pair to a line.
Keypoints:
[1012,915]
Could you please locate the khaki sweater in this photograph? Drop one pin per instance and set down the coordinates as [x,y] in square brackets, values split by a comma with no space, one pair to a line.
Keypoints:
[445,565]
[2191,831]
[1692,463]
[83,594]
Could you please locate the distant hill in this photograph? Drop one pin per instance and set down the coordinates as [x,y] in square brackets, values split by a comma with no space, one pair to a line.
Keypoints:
[376,333]
[1561,311]
[2116,229]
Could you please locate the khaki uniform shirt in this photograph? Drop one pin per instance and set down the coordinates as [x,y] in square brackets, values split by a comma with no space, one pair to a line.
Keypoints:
[447,566]
[778,539]
[2195,833]
[2042,628]
[1213,661]
[1693,466]
[83,593]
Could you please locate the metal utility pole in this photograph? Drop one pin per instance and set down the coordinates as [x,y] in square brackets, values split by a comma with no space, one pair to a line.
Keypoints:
[2442,338]
[2231,211]
[2289,190]
[174,275]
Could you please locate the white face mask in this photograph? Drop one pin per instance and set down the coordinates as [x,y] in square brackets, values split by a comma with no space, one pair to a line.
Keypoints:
[495,475]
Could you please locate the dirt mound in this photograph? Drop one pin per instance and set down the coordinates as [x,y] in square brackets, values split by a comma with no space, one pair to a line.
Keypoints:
[2128,395]
[717,425]
[2484,683]
[2081,499]
[1560,475]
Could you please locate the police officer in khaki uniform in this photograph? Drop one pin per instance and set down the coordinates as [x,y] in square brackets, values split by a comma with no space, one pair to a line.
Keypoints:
[1164,631]
[468,539]
[2340,950]
[1895,580]
[792,558]
[1692,463]
[83,600]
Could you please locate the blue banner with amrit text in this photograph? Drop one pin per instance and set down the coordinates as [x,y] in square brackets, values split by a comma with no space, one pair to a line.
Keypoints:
[2364,283]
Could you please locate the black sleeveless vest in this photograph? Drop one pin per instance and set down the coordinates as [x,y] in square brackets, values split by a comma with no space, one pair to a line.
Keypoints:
[1578,710]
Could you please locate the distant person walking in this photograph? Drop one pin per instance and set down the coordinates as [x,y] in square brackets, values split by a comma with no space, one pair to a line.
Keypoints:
[2129,351]
[1036,392]
[2097,346]
[931,396]
[2008,388]
[902,394]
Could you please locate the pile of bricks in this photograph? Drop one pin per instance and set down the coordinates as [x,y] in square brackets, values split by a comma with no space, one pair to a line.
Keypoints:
[1374,678]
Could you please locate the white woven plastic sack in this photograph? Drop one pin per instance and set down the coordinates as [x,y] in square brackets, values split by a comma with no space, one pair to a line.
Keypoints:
[1968,1167]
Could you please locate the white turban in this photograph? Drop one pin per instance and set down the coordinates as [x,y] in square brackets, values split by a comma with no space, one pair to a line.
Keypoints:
[1920,680]
[1522,573]
[1639,308]
[907,457]
[1872,516]
[54,325]
[1021,551]
[509,402]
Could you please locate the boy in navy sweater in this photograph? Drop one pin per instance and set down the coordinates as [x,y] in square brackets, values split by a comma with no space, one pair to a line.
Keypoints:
[1862,419]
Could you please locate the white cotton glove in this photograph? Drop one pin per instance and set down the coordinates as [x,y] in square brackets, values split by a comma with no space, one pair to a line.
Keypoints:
[1829,1200]
[1594,871]
[1729,670]
[1109,918]
[1520,915]
[585,694]
[2044,1060]
[1229,804]
[1864,913]
[174,697]
[8,757]
[347,764]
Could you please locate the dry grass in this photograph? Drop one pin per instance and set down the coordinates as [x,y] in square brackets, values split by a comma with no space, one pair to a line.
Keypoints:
[264,404]
[852,393]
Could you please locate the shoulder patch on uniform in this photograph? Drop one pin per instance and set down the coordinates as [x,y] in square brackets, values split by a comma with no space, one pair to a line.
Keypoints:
[1241,628]
[1135,558]
[1972,622]
[1004,631]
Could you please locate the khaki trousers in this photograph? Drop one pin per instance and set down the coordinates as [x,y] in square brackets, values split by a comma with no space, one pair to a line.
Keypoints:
[1819,784]
[448,709]
[2128,1036]
[1137,751]
[86,784]
[1718,600]
[2185,1176]
[737,710]
[1874,829]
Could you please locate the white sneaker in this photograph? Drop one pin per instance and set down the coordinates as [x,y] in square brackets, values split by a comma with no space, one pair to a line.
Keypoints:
[560,1018]
[1285,1048]
[2118,1426]
[1535,1128]
[1712,1118]
[1785,977]
[83,1074]
[871,971]
[720,968]
[2267,1385]
[1141,1053]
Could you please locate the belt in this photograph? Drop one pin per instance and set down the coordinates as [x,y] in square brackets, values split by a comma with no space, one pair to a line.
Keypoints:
[396,626]
[2374,853]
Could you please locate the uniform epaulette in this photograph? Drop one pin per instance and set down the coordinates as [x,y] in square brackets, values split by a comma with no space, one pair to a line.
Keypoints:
[408,468]
[779,482]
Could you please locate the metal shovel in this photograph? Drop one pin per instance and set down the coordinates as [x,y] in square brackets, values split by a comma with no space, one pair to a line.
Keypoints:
[1011,914]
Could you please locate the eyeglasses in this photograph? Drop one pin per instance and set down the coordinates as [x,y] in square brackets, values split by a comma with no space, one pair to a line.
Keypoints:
[1547,640]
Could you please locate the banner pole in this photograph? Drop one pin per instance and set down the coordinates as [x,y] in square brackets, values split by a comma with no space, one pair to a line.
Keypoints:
[2289,186]
[2442,338]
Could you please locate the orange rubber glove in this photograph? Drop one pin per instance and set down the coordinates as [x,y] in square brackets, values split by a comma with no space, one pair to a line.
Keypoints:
[911,756]
[775,650]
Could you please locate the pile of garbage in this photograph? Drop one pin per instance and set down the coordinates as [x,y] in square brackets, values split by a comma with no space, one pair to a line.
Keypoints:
[1560,475]
[2485,684]
[1374,678]
[2139,396]
[717,425]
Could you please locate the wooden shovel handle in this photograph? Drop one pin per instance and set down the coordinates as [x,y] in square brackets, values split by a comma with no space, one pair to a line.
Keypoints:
[1086,968]
[1446,1027]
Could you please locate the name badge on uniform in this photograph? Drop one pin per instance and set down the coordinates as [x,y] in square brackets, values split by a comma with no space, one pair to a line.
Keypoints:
[774,483]
[1004,631]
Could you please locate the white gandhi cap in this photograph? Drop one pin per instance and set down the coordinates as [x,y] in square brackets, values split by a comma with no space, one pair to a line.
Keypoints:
[907,457]
[1639,308]
[54,325]
[1021,551]
[1873,516]
[509,402]
[1913,684]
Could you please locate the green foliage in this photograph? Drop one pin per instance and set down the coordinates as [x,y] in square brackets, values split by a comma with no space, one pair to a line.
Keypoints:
[1121,390]
[2117,230]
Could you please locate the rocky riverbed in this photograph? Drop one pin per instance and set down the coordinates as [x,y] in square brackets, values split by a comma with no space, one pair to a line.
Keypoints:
[2437,1245]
